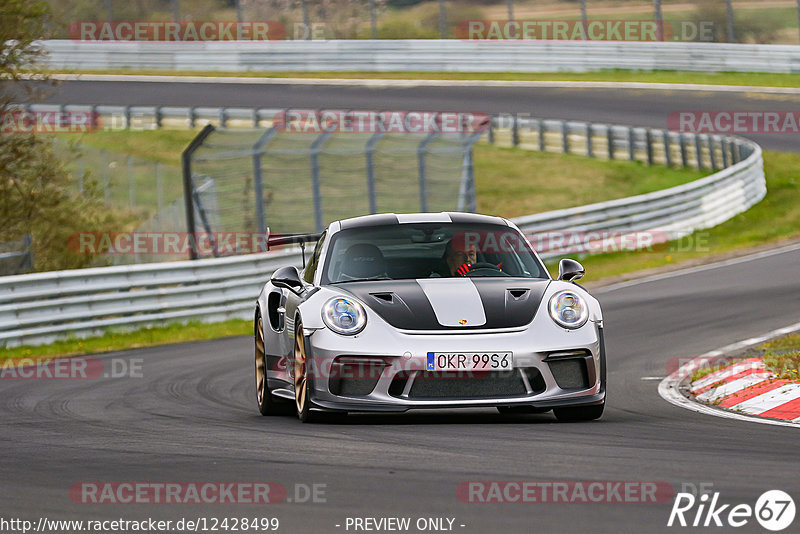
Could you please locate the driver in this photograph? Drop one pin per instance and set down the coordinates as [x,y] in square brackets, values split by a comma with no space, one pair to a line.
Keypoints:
[458,258]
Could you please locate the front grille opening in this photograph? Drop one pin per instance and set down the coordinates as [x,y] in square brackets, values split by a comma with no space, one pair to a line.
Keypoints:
[535,379]
[355,377]
[570,373]
[461,385]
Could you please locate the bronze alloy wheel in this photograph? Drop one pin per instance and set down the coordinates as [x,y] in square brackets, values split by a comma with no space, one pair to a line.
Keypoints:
[300,379]
[267,405]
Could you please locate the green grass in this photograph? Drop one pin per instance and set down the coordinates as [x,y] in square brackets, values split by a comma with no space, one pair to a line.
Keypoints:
[512,182]
[782,356]
[163,146]
[114,340]
[662,76]
[773,220]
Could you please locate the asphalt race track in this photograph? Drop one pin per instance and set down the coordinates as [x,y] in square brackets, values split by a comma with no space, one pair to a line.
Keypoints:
[191,415]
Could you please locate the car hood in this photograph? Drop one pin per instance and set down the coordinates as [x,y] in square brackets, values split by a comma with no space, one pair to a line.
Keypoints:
[451,303]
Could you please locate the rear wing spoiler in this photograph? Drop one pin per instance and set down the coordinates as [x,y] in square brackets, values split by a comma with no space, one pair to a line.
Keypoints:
[290,239]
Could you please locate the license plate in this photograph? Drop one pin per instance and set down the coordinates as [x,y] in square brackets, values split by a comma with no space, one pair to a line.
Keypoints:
[470,361]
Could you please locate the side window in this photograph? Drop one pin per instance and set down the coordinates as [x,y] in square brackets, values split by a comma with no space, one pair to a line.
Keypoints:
[311,268]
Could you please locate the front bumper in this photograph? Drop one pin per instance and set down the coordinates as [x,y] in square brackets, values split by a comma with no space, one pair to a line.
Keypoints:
[388,373]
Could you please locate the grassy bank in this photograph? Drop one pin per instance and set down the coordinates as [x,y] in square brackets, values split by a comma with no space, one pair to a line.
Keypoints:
[711,78]
[121,340]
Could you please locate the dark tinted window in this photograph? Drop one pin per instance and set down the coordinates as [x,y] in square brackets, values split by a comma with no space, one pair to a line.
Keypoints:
[429,250]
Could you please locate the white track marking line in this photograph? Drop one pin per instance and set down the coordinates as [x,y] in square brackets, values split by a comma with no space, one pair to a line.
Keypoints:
[668,388]
[700,268]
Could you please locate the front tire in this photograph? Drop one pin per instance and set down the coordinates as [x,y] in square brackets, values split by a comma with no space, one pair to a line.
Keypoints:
[574,414]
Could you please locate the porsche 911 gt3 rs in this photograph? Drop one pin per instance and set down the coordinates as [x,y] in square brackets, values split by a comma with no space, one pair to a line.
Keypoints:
[432,310]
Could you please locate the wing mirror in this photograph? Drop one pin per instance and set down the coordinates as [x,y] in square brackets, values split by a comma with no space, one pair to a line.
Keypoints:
[288,278]
[570,270]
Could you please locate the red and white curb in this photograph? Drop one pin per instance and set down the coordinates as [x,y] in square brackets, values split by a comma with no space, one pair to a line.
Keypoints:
[744,390]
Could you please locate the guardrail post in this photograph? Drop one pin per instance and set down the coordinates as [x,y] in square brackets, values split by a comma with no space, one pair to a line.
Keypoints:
[698,147]
[192,117]
[514,130]
[648,137]
[711,154]
[159,115]
[631,144]
[564,137]
[684,154]
[724,147]
[223,117]
[540,132]
[256,118]
[610,141]
[127,117]
[491,131]
[589,147]
[62,116]
[667,149]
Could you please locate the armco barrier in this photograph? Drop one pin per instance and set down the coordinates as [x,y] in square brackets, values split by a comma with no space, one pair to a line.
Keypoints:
[38,308]
[422,55]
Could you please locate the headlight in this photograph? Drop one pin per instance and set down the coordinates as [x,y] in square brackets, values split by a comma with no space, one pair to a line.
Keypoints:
[568,310]
[344,316]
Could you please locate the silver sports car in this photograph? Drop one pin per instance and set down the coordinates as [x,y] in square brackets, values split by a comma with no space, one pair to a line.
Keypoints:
[429,310]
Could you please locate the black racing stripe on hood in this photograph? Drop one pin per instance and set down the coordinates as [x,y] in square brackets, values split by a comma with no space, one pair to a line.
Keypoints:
[409,308]
[507,302]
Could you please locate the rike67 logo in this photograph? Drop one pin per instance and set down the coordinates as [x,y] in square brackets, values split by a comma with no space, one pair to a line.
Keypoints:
[774,510]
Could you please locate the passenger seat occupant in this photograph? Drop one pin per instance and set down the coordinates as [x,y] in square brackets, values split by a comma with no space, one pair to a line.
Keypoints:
[363,260]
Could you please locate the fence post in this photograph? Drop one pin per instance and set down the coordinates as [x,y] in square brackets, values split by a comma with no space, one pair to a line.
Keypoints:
[369,153]
[491,131]
[127,117]
[564,137]
[316,146]
[631,144]
[648,137]
[188,185]
[514,131]
[223,117]
[159,189]
[423,193]
[541,133]
[192,117]
[131,182]
[589,147]
[258,182]
[159,115]
[610,141]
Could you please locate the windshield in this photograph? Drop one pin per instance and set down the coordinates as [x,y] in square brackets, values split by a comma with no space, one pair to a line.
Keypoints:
[429,250]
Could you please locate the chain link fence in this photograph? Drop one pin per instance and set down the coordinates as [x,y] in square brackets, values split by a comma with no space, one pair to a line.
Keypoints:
[251,180]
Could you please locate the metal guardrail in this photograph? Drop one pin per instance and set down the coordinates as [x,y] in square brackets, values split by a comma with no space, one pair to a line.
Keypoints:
[38,308]
[423,55]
